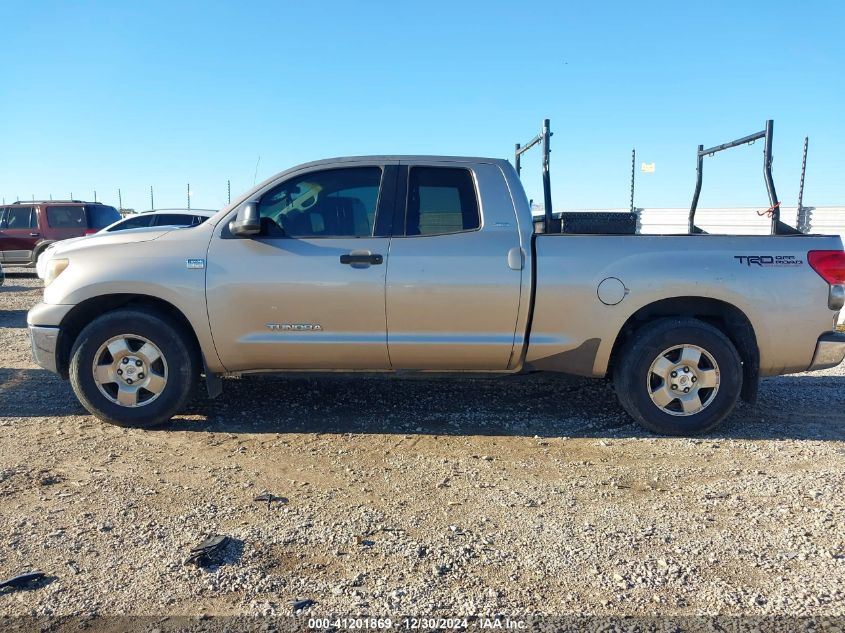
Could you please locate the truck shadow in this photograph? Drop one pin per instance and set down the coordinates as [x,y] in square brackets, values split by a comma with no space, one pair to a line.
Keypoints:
[34,393]
[546,405]
[792,407]
[13,318]
[20,274]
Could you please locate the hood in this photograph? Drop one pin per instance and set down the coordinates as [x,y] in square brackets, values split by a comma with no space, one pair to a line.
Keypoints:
[129,236]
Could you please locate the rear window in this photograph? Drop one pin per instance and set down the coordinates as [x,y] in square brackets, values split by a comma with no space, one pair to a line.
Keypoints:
[60,217]
[18,218]
[101,215]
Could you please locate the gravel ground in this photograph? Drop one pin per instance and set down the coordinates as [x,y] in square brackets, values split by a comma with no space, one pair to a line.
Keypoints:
[514,495]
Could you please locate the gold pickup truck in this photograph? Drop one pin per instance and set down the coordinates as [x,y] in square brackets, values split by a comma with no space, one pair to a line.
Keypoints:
[392,263]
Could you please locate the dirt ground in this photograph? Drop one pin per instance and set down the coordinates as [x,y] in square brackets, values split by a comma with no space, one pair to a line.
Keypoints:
[452,497]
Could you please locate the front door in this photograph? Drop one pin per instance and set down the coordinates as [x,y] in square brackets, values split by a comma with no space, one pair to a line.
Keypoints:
[18,233]
[308,292]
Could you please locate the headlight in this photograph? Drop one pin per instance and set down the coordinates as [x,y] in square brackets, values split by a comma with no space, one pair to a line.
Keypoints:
[55,267]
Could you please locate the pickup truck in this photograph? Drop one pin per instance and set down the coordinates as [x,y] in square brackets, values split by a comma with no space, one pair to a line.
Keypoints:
[429,263]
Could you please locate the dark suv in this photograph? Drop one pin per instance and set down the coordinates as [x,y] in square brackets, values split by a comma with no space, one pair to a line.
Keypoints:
[26,228]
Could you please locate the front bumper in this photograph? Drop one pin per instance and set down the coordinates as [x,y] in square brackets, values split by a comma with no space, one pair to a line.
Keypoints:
[44,342]
[830,351]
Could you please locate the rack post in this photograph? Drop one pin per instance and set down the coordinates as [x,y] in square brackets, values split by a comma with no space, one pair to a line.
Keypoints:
[547,183]
[767,174]
[544,139]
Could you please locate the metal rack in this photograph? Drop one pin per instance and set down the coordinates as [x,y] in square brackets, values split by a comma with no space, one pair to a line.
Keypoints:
[778,227]
[552,224]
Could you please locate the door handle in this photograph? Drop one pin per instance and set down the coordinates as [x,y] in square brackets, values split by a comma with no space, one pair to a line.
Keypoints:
[361,258]
[33,234]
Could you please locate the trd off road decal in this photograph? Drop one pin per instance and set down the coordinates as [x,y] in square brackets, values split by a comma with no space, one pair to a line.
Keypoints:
[769,260]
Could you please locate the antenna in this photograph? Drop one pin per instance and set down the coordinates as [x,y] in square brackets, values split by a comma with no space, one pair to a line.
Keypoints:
[119,200]
[229,192]
[633,172]
[255,175]
[189,196]
[152,201]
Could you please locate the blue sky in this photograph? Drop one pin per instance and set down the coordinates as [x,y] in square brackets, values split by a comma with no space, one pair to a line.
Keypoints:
[101,95]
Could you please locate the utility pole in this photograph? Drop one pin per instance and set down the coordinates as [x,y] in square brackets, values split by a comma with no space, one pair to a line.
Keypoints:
[803,214]
[633,175]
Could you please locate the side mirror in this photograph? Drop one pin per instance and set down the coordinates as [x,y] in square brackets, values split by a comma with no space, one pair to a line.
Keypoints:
[248,221]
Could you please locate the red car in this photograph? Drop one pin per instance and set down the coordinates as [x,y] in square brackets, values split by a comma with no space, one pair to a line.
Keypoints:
[26,228]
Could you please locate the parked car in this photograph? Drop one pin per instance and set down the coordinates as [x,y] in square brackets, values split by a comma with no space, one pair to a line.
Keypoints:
[161,217]
[433,263]
[27,228]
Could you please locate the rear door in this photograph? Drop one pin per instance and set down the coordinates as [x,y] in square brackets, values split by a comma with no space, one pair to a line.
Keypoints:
[65,221]
[19,233]
[452,295]
[308,293]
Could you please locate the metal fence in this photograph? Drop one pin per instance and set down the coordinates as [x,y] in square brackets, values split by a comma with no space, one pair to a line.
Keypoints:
[729,221]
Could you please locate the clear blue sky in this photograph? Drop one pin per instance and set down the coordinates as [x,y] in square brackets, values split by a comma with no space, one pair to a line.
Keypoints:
[101,95]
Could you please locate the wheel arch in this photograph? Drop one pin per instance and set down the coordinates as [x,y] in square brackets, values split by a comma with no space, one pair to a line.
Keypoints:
[728,318]
[86,311]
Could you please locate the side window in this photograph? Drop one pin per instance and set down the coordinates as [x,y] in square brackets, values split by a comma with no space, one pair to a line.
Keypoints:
[21,218]
[173,219]
[133,223]
[101,215]
[441,200]
[331,203]
[66,217]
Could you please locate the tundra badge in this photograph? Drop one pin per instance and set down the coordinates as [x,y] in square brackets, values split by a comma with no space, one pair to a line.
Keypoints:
[294,327]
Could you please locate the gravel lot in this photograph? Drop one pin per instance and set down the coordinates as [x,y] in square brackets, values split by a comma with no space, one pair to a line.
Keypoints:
[513,495]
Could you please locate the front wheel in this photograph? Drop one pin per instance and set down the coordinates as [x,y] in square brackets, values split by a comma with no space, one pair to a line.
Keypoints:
[678,376]
[132,368]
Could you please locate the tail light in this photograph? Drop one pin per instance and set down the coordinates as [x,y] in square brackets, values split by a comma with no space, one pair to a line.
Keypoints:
[830,265]
[91,231]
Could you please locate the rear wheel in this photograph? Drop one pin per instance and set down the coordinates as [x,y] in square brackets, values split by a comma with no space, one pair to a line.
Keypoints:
[678,376]
[132,368]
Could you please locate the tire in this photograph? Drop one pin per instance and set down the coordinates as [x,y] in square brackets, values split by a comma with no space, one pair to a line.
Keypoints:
[149,352]
[37,252]
[668,345]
